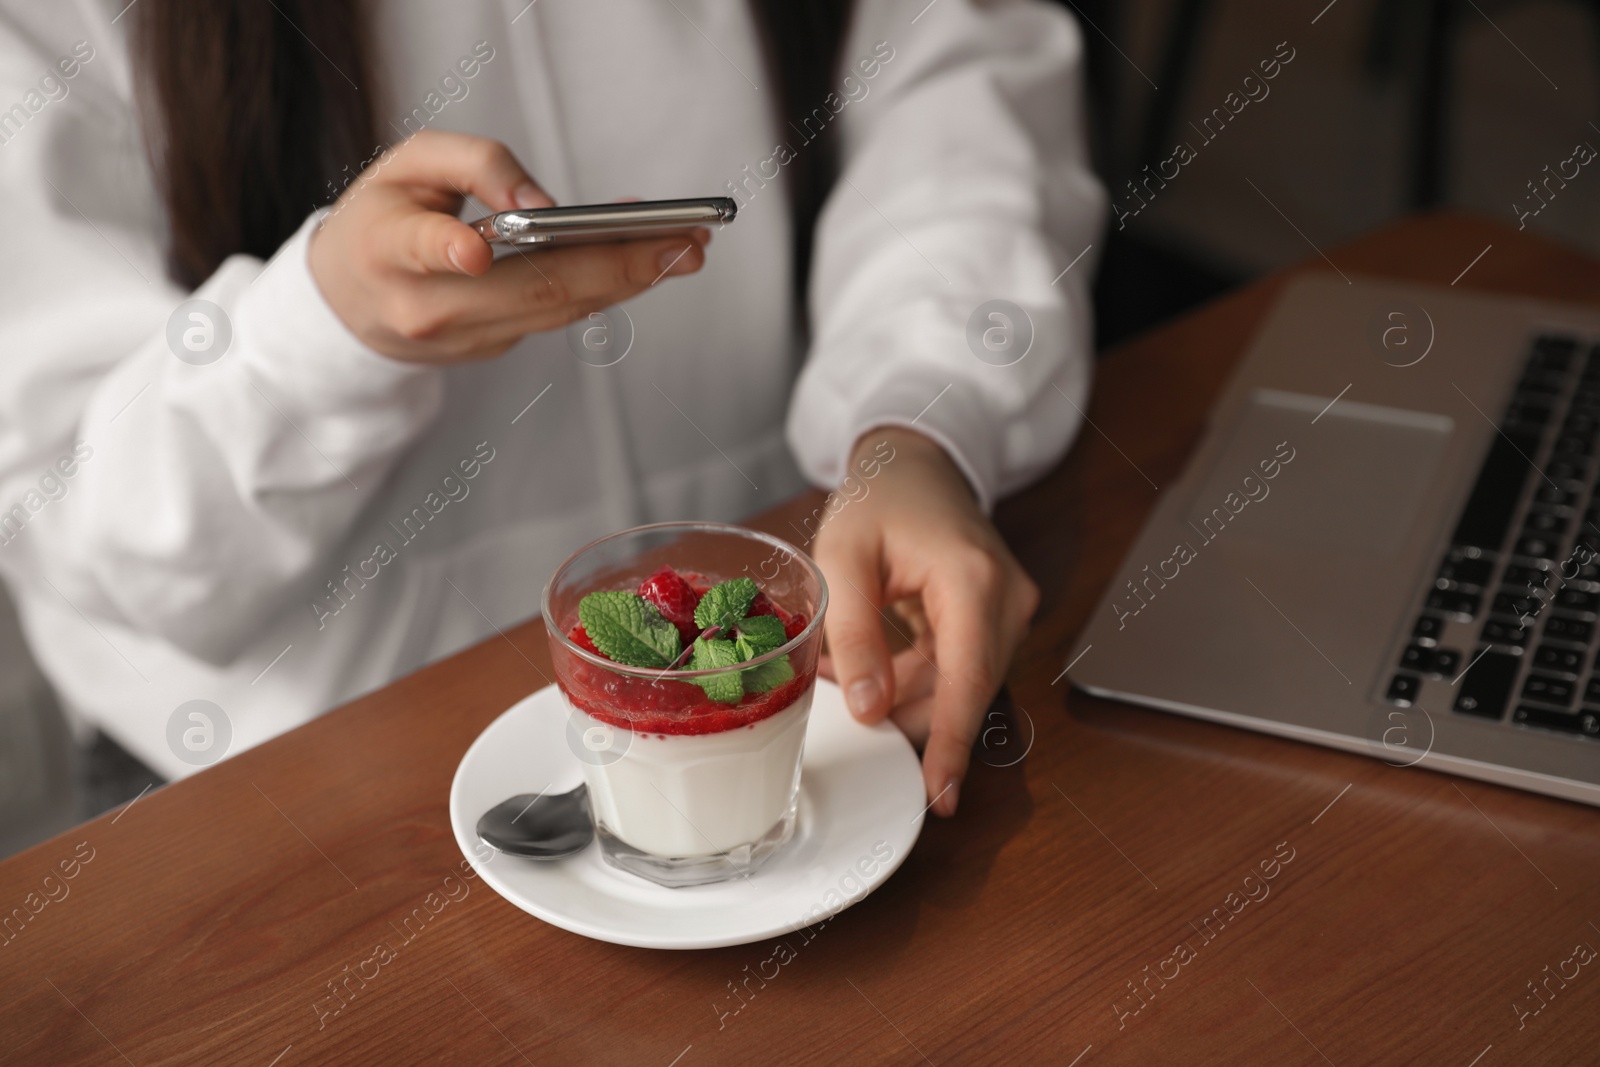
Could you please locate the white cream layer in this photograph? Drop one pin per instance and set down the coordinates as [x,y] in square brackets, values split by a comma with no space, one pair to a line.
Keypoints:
[678,795]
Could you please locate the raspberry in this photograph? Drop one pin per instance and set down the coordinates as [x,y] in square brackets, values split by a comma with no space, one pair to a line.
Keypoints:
[793,625]
[761,606]
[580,637]
[674,598]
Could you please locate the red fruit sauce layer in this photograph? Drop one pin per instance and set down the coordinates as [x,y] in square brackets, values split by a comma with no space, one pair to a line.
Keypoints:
[667,706]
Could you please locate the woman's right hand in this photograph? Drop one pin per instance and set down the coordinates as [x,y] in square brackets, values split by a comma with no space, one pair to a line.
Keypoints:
[417,284]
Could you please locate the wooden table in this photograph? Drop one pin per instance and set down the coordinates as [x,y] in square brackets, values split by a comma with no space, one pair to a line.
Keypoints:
[214,913]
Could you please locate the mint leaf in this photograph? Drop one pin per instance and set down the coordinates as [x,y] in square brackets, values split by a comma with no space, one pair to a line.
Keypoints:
[711,655]
[627,628]
[768,675]
[762,634]
[724,688]
[725,604]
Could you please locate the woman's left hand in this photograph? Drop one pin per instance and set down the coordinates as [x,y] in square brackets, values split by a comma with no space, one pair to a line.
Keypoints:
[915,543]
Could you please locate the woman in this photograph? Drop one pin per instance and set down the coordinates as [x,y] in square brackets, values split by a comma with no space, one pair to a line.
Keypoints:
[371,445]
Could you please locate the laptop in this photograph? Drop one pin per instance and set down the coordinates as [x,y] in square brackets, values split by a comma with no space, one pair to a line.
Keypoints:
[1387,541]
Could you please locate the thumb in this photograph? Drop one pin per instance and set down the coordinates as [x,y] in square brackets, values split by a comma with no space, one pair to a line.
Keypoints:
[854,628]
[463,165]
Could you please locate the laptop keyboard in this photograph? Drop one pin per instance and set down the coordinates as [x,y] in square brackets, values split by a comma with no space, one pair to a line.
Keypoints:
[1523,565]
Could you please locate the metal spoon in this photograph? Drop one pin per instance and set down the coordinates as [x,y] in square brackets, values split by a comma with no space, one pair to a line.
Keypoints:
[541,826]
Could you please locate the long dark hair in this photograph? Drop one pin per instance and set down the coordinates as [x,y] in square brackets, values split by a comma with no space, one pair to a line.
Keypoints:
[252,108]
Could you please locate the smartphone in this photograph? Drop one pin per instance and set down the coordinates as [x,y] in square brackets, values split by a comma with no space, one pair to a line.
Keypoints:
[591,223]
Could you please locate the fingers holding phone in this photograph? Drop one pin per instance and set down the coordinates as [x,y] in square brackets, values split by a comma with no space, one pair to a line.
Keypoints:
[416,283]
[545,289]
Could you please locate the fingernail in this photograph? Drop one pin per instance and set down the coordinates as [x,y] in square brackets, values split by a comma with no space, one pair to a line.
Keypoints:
[862,696]
[455,260]
[947,801]
[528,195]
[703,234]
[677,261]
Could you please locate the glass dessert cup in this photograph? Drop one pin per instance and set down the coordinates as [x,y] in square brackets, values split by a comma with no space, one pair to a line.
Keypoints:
[686,789]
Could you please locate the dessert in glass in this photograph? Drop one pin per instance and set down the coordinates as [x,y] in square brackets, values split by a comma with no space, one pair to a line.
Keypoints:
[687,657]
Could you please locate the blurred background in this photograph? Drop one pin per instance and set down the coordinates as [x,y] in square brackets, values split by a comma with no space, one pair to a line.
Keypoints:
[1388,107]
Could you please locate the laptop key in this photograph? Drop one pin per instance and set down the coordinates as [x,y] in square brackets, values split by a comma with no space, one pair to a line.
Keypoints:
[1583,724]
[1494,496]
[1499,632]
[1403,690]
[1545,523]
[1540,365]
[1467,571]
[1486,687]
[1521,576]
[1519,605]
[1571,444]
[1428,628]
[1455,602]
[1537,387]
[1527,417]
[1565,470]
[1581,421]
[1439,662]
[1591,693]
[1548,690]
[1577,631]
[1536,546]
[1555,496]
[1554,351]
[1559,660]
[1577,600]
[1587,396]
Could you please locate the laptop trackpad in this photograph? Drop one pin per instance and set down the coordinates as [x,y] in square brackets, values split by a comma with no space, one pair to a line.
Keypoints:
[1352,483]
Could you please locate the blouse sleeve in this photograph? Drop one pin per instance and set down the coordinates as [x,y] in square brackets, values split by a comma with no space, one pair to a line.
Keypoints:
[174,462]
[950,282]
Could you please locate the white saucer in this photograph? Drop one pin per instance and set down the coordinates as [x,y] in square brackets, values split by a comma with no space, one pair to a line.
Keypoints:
[861,809]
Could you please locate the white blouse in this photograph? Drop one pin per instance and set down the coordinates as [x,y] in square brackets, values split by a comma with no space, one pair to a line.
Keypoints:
[301,520]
